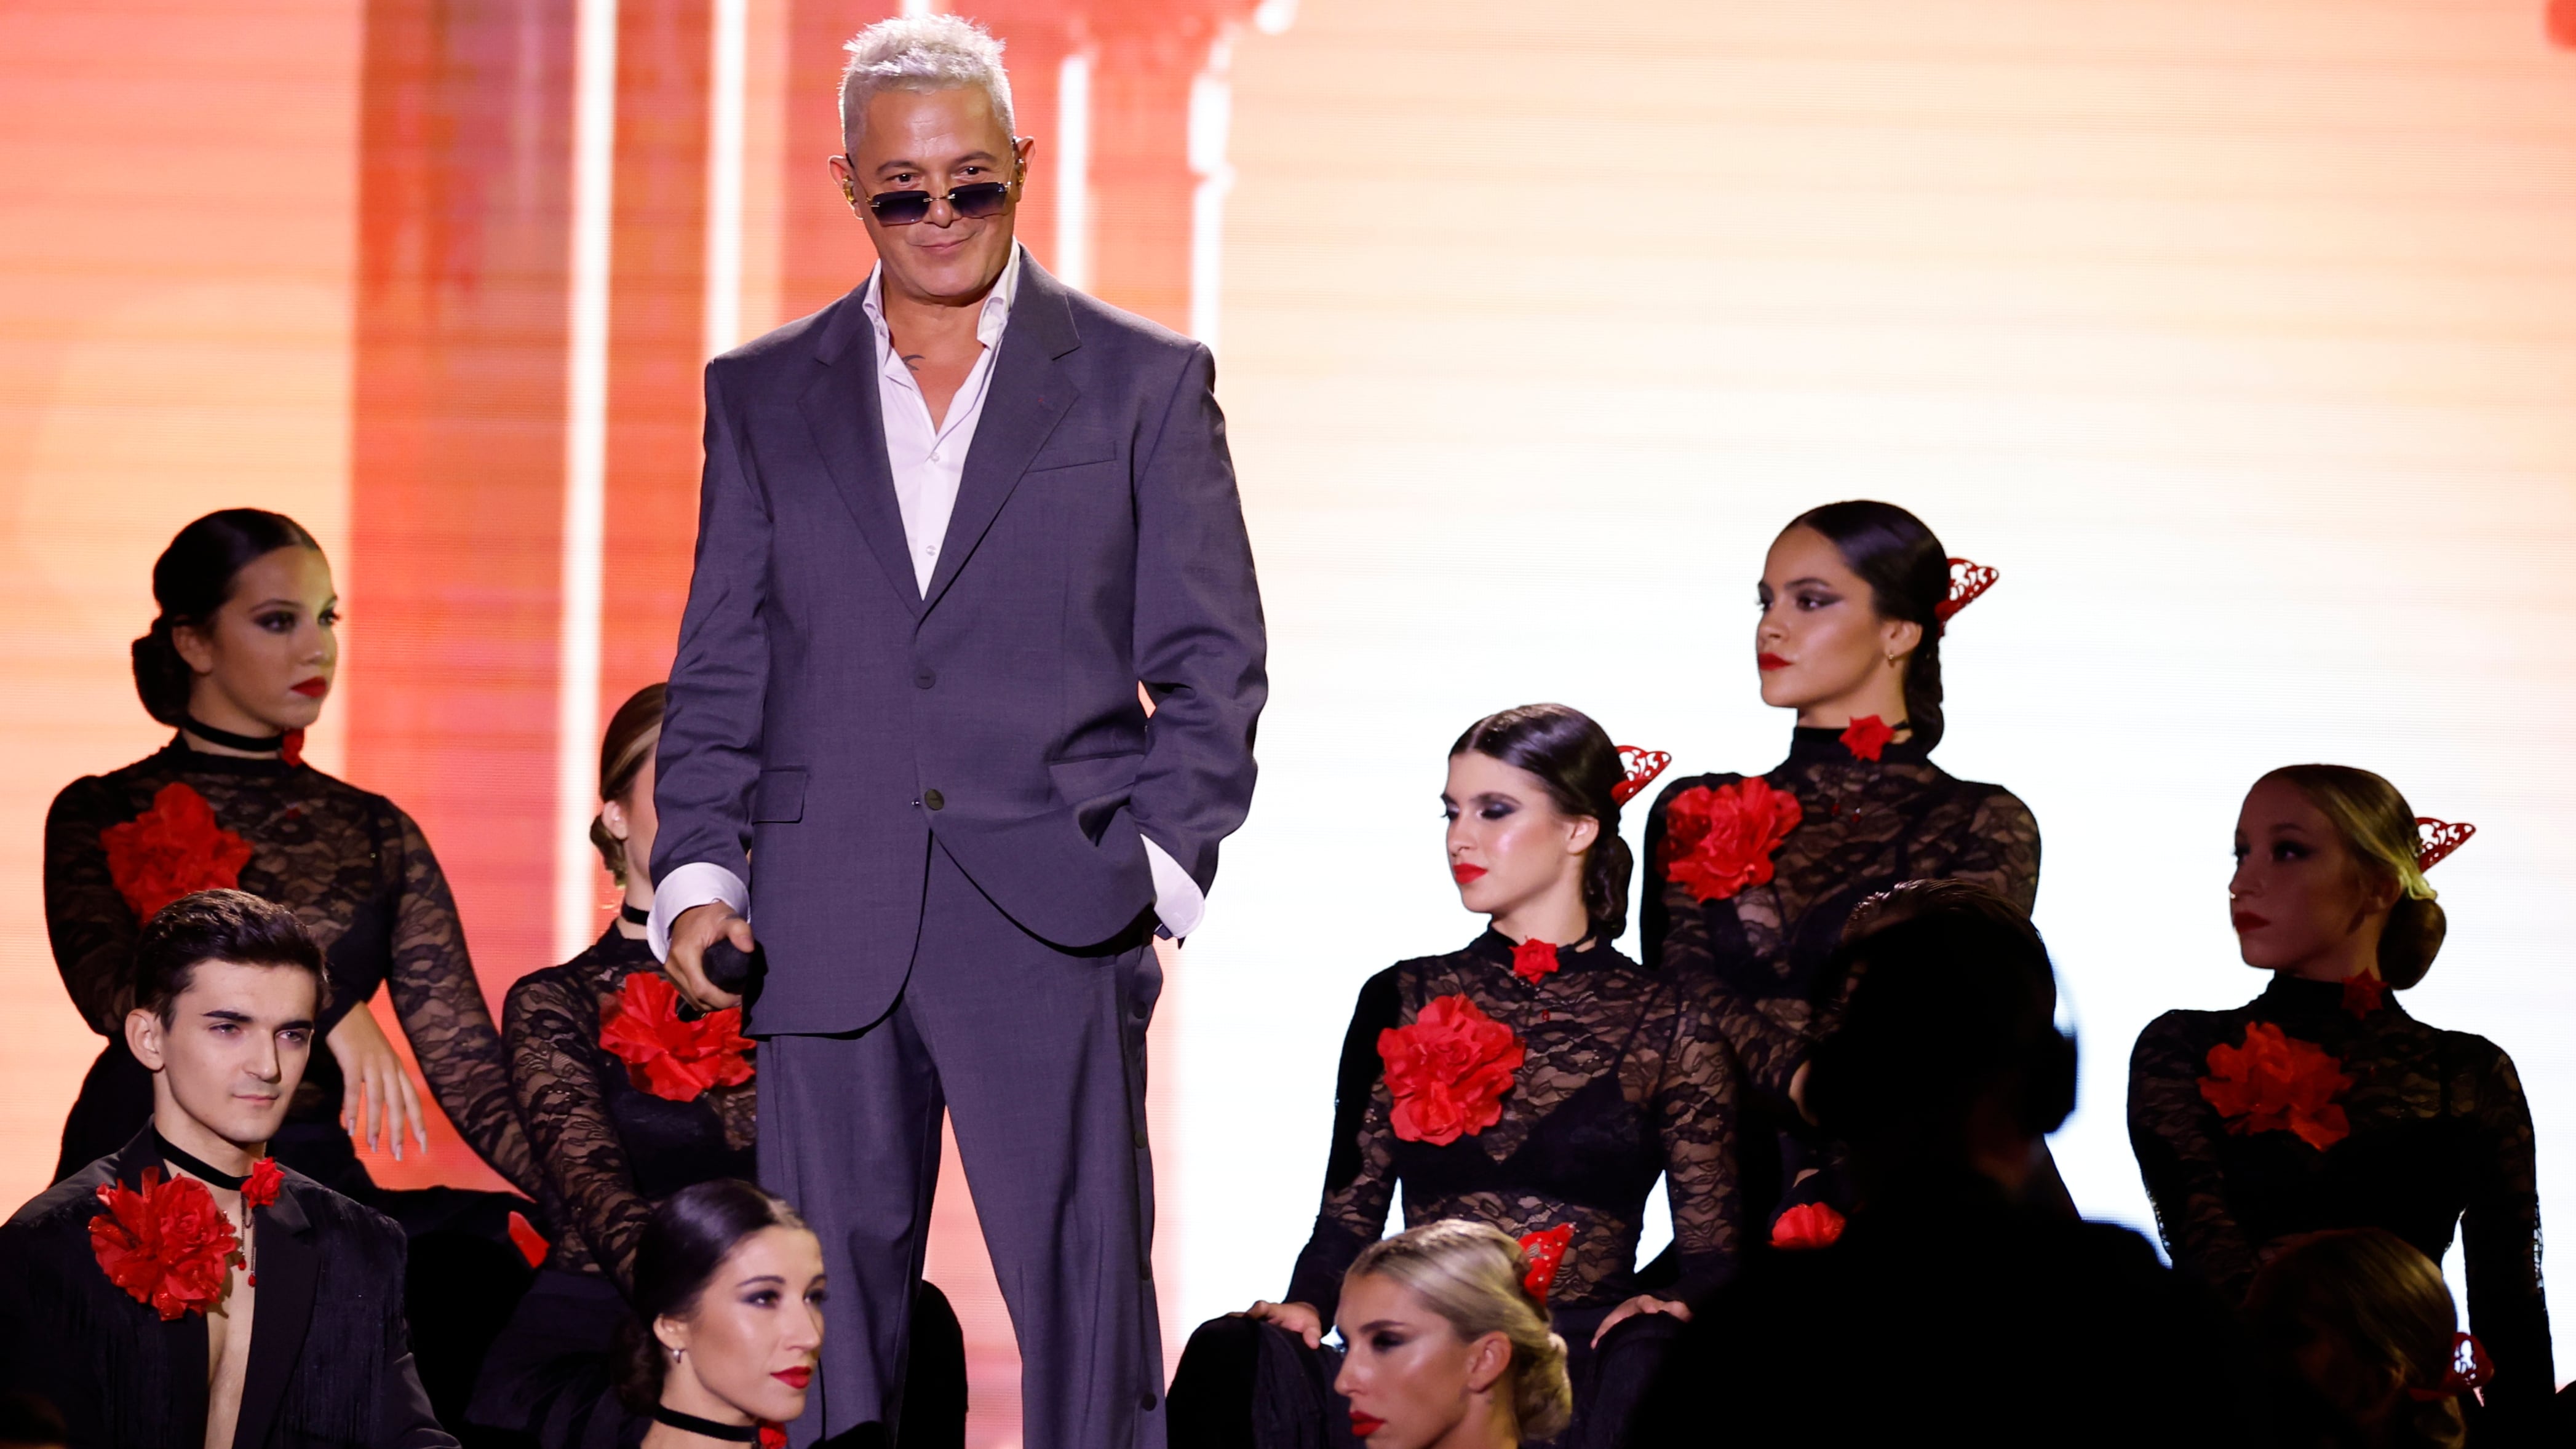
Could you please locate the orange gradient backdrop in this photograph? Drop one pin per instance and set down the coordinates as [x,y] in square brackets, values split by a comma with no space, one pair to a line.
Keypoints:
[2243,338]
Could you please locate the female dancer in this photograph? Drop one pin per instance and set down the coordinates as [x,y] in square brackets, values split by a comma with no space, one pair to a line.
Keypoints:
[238,664]
[1757,876]
[728,1317]
[1537,1081]
[629,1097]
[2321,1103]
[1449,1347]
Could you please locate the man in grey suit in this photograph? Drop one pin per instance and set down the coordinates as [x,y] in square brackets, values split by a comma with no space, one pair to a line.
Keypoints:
[949,524]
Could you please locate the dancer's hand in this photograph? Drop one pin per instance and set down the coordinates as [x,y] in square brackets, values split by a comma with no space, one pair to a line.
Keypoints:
[376,1100]
[1642,1303]
[1300,1319]
[691,935]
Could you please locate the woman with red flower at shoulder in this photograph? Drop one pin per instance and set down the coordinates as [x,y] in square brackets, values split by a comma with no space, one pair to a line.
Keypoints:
[2323,1103]
[1538,1081]
[631,1096]
[239,662]
[1755,877]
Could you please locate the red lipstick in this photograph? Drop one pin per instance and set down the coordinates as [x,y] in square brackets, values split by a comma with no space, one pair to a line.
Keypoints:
[1463,873]
[314,688]
[2247,920]
[795,1378]
[1363,1425]
[1769,662]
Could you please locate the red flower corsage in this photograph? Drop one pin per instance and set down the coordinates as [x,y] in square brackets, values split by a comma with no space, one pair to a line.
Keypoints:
[1718,840]
[2277,1083]
[1545,1251]
[773,1436]
[1449,1071]
[168,1245]
[1808,1225]
[171,850]
[2364,994]
[260,1188]
[1534,958]
[1867,737]
[672,1059]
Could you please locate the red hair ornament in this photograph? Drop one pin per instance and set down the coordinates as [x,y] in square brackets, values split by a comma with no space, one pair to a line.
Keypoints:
[2470,1371]
[1545,1251]
[2438,838]
[1641,767]
[1968,583]
[1807,1226]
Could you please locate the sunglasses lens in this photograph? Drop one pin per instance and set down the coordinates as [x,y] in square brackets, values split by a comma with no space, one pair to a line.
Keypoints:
[900,208]
[984,198]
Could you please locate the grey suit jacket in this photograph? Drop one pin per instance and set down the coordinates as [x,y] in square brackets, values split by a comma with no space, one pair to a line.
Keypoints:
[825,720]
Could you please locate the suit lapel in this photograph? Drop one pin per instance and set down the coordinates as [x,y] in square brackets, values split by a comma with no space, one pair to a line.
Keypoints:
[1028,395]
[290,1264]
[847,417]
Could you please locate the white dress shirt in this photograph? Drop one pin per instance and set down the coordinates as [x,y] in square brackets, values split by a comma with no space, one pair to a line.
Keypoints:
[927,459]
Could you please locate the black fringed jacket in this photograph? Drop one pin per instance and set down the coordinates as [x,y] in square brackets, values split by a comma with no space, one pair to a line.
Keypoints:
[330,1354]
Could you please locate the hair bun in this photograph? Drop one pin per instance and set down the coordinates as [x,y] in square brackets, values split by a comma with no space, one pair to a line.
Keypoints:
[161,678]
[2410,941]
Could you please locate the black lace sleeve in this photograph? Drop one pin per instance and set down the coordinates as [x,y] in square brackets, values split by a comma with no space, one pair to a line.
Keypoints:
[442,1011]
[2002,850]
[1359,1172]
[1695,1117]
[548,1019]
[2174,1132]
[91,927]
[2500,1238]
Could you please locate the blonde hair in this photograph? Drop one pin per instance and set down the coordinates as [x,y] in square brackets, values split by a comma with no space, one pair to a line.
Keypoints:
[2385,1307]
[633,732]
[1471,1275]
[2377,825]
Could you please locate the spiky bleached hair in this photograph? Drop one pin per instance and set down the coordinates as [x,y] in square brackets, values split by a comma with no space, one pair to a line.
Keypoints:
[922,53]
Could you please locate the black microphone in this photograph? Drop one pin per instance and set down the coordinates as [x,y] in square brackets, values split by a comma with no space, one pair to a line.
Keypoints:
[730,968]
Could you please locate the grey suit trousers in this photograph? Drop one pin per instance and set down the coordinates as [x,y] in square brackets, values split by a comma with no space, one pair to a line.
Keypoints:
[1038,1057]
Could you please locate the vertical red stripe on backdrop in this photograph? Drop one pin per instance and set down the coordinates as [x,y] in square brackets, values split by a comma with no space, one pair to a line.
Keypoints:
[1036,36]
[823,251]
[1141,183]
[457,448]
[656,341]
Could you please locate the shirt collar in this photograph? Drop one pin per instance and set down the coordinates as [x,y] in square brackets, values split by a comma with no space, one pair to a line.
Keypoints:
[988,327]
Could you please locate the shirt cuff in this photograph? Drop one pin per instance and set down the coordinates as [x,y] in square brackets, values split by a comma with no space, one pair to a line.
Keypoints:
[694,885]
[1178,901]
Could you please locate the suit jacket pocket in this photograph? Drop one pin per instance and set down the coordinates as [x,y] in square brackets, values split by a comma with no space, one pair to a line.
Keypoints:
[1075,447]
[779,798]
[1095,787]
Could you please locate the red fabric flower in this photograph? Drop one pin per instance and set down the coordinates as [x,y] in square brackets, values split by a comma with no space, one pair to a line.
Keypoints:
[1449,1071]
[1545,1251]
[2364,994]
[532,1245]
[772,1437]
[1867,736]
[260,1188]
[171,850]
[1718,840]
[168,1245]
[2278,1083]
[1808,1225]
[1533,958]
[672,1059]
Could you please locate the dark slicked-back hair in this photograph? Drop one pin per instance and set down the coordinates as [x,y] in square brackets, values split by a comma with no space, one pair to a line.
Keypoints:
[219,926]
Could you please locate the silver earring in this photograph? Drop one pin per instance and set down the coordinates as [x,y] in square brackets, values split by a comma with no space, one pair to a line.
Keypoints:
[678,1353]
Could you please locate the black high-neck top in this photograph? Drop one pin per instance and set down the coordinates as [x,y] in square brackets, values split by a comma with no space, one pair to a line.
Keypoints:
[1623,1080]
[2440,1137]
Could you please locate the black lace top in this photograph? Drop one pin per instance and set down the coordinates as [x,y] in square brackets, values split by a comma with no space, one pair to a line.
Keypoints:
[359,874]
[610,1150]
[2440,1134]
[1622,1080]
[1867,825]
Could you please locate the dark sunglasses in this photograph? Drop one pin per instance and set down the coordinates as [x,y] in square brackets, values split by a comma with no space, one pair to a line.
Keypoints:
[903,208]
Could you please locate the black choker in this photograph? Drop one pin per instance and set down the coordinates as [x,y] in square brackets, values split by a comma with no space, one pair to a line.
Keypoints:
[707,1428]
[176,1158]
[257,744]
[632,916]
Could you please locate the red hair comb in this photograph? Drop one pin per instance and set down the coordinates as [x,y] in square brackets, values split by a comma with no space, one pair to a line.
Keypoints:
[2470,1371]
[1968,583]
[1545,1250]
[1642,767]
[2438,839]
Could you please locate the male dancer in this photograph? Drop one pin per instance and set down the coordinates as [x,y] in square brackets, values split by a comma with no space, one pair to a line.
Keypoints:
[172,1294]
[949,524]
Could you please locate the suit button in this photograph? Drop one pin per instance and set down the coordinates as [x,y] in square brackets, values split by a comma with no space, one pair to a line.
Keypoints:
[933,799]
[923,678]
